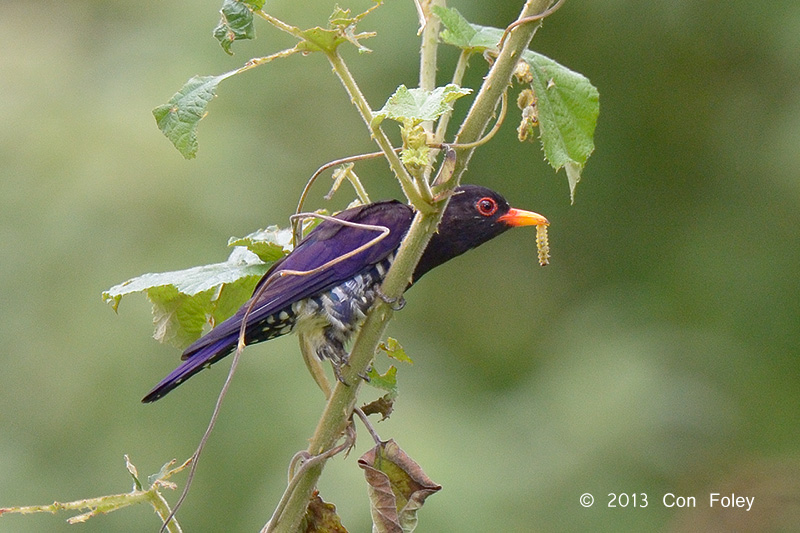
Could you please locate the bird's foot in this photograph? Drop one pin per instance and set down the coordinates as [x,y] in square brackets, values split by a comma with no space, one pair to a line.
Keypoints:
[396,303]
[365,375]
[337,371]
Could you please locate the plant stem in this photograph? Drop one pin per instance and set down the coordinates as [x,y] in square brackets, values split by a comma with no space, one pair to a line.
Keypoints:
[458,76]
[340,405]
[427,70]
[429,46]
[339,408]
[288,28]
[496,82]
[418,199]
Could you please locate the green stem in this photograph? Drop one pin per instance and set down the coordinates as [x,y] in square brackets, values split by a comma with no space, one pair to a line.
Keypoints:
[288,28]
[458,76]
[417,198]
[429,47]
[339,408]
[496,82]
[427,72]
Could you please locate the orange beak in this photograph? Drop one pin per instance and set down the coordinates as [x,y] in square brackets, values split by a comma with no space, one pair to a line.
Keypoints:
[519,217]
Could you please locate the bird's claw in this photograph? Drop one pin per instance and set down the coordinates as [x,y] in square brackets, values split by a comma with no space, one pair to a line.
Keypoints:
[337,371]
[396,303]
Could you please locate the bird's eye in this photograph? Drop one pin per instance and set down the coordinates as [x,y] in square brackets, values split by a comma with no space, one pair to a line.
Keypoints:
[486,206]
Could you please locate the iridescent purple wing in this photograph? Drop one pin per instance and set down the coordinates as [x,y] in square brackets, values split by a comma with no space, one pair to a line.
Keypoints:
[328,241]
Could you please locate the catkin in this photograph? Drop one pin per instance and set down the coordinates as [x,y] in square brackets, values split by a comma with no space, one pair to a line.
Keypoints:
[542,245]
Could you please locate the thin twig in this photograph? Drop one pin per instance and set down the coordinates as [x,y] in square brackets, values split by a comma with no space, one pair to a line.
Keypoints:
[195,458]
[420,199]
[544,14]
[288,28]
[458,77]
[367,424]
[486,138]
[384,231]
[421,15]
[320,170]
[308,461]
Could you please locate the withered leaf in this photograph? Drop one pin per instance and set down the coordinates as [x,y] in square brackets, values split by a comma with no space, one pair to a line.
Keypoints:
[321,517]
[398,487]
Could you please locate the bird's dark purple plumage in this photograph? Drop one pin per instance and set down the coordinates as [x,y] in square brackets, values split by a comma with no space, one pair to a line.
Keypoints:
[326,242]
[336,298]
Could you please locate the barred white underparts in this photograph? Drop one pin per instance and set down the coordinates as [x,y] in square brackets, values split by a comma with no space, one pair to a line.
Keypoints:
[331,318]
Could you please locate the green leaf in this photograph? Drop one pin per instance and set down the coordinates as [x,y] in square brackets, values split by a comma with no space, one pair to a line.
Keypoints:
[268,244]
[567,102]
[345,23]
[178,118]
[568,106]
[236,22]
[137,485]
[465,35]
[185,301]
[326,40]
[320,40]
[394,350]
[178,318]
[342,28]
[387,381]
[419,105]
[195,280]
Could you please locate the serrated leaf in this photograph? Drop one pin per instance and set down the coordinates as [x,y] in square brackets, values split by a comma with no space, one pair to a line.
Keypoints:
[178,318]
[568,106]
[398,487]
[185,301]
[192,281]
[387,381]
[236,22]
[567,103]
[382,406]
[320,40]
[419,105]
[179,117]
[268,244]
[465,35]
[394,350]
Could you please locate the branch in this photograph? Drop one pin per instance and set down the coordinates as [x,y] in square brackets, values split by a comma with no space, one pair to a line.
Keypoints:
[497,80]
[339,408]
[419,199]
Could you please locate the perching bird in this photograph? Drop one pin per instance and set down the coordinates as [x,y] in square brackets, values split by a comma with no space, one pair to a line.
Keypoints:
[331,304]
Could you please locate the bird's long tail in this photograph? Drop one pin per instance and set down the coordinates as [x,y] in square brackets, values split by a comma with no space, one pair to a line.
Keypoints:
[203,358]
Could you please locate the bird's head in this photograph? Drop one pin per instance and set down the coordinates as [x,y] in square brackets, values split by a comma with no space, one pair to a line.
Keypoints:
[473,216]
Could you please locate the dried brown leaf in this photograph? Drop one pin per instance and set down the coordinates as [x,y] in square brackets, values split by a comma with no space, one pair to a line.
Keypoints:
[398,487]
[321,517]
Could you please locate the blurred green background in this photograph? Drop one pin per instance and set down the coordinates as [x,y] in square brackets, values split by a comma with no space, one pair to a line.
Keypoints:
[658,353]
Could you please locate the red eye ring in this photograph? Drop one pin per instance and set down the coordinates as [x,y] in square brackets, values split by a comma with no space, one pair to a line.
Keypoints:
[486,206]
